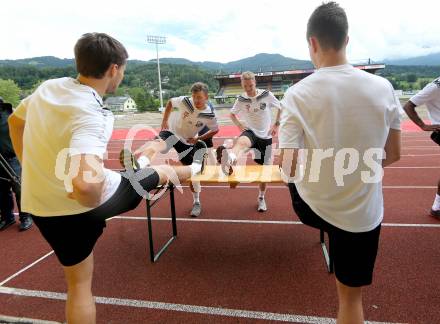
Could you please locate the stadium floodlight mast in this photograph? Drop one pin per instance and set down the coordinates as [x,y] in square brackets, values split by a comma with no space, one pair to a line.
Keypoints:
[158,40]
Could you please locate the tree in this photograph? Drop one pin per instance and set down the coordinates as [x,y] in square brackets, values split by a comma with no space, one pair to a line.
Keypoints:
[144,101]
[394,83]
[10,92]
[411,77]
[423,83]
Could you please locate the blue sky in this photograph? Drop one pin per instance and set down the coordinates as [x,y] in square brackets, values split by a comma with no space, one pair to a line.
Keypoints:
[220,31]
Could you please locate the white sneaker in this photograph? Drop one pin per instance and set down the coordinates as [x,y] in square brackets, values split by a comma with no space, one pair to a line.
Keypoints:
[196,210]
[262,205]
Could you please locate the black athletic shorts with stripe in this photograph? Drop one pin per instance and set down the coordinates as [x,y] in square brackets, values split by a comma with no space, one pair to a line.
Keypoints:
[262,147]
[72,237]
[354,254]
[185,151]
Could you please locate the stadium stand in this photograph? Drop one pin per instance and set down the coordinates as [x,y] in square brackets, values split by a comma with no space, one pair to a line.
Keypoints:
[276,81]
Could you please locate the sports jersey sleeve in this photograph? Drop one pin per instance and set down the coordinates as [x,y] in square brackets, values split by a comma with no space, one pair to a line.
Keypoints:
[237,107]
[427,93]
[176,102]
[274,102]
[21,110]
[88,134]
[291,133]
[211,123]
[396,113]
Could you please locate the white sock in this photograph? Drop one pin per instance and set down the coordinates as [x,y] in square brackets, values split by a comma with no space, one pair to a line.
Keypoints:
[195,168]
[436,204]
[196,196]
[261,194]
[232,158]
[143,161]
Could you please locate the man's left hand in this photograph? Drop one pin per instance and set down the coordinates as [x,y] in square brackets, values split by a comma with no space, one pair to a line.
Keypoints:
[274,130]
[192,140]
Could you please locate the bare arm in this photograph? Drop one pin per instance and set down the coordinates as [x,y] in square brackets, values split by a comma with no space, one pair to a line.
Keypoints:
[166,115]
[410,109]
[392,147]
[274,129]
[207,135]
[88,183]
[237,122]
[16,130]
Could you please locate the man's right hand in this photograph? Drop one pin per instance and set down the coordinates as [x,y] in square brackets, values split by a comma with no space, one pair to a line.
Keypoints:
[431,128]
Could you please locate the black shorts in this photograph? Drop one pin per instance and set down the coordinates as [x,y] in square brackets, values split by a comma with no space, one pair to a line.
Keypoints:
[435,136]
[185,151]
[262,147]
[354,254]
[72,237]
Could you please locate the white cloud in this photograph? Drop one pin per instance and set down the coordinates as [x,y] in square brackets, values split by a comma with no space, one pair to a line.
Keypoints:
[221,31]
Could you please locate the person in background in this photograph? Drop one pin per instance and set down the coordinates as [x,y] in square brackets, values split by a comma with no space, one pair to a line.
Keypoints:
[7,184]
[430,97]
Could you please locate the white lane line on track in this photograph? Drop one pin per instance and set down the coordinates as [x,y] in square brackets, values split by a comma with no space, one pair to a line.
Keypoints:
[245,221]
[185,308]
[419,148]
[415,155]
[25,268]
[414,167]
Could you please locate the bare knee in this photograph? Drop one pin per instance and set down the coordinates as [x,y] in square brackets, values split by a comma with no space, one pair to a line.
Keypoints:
[79,276]
[156,146]
[243,142]
[348,294]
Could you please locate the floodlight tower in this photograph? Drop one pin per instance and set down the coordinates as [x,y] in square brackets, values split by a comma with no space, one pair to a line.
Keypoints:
[158,40]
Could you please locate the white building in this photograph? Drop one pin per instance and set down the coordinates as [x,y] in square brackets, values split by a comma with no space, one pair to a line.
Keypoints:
[125,104]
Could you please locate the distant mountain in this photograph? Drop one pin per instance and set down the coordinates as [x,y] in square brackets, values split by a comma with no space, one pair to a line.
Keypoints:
[39,62]
[260,62]
[431,59]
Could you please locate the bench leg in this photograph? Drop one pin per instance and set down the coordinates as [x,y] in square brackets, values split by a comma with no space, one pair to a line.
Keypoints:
[327,253]
[154,257]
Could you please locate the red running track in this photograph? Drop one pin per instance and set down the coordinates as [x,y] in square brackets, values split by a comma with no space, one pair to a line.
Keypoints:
[234,265]
[225,131]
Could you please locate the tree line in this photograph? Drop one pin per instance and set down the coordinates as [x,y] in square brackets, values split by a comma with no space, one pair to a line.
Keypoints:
[141,80]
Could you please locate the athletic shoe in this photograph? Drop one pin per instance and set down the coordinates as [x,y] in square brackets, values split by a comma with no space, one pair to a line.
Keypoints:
[435,213]
[4,224]
[25,223]
[196,210]
[200,154]
[127,160]
[223,159]
[261,205]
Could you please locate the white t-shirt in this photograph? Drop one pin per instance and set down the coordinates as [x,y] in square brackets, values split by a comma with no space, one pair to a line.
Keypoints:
[187,121]
[256,111]
[61,114]
[343,110]
[430,97]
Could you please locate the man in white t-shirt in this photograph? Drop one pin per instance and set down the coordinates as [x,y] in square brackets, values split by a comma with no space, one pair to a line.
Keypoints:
[60,135]
[343,119]
[430,97]
[193,121]
[254,106]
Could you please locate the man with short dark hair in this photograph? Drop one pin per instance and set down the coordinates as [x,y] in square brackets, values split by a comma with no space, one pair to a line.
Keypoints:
[7,184]
[343,119]
[430,97]
[64,123]
[193,121]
